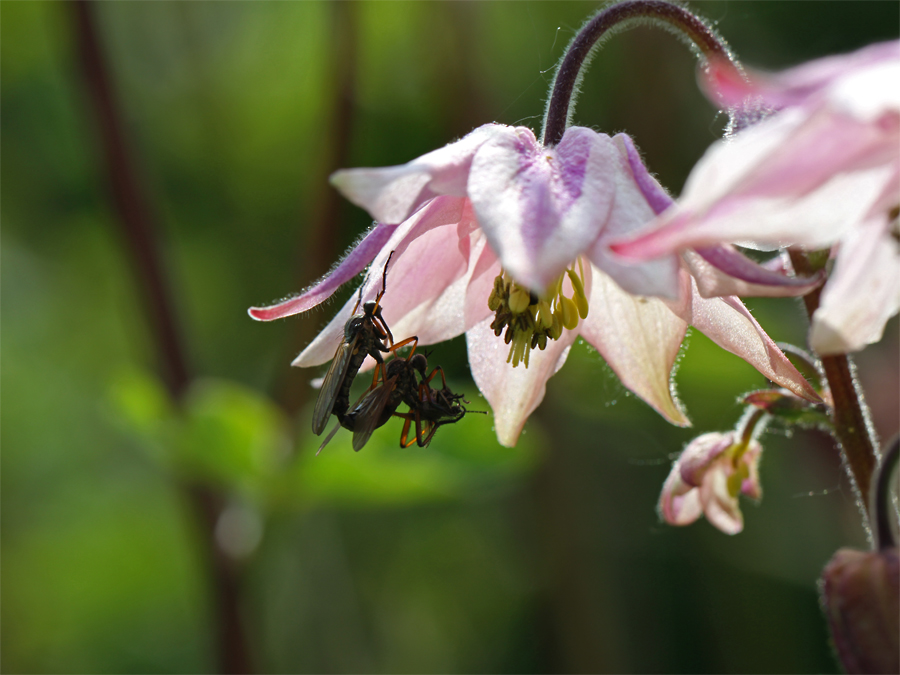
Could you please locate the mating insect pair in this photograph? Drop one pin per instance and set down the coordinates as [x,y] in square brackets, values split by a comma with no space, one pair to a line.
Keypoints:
[403,380]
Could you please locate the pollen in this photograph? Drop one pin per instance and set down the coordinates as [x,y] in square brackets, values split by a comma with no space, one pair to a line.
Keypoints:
[527,321]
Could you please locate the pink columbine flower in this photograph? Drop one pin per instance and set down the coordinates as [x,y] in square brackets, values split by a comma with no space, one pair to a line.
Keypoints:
[506,240]
[823,170]
[712,471]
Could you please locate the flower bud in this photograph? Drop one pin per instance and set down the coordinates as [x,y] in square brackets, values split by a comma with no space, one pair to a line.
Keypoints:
[861,600]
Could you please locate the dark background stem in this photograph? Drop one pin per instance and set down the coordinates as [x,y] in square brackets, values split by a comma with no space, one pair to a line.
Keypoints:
[139,237]
[580,48]
[848,414]
[881,501]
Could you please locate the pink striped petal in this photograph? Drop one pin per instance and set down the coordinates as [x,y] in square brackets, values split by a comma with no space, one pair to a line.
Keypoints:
[354,262]
[411,280]
[788,180]
[727,322]
[513,393]
[639,338]
[391,194]
[637,197]
[722,270]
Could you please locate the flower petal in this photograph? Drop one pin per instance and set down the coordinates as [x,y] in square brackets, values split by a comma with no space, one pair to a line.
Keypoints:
[542,207]
[513,393]
[433,274]
[700,453]
[723,270]
[391,194]
[860,82]
[788,180]
[862,293]
[638,198]
[639,338]
[719,506]
[679,503]
[353,263]
[405,285]
[728,323]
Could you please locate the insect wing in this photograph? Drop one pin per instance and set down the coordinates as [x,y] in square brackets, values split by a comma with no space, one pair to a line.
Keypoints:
[328,438]
[331,385]
[369,413]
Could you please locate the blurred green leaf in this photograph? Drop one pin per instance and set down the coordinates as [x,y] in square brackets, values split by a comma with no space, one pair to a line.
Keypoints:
[461,457]
[226,433]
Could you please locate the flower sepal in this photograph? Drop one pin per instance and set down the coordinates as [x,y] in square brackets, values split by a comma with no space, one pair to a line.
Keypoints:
[790,409]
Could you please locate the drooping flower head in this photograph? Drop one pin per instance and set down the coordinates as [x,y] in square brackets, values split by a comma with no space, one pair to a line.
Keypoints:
[822,170]
[505,238]
[707,479]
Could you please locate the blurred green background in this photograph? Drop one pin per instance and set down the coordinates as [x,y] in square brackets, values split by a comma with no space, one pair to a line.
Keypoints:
[462,557]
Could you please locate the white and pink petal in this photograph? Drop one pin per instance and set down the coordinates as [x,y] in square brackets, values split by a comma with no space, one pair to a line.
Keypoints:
[540,208]
[639,338]
[391,194]
[513,393]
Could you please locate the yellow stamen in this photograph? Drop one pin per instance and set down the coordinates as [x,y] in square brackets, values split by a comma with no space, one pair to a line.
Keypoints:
[527,321]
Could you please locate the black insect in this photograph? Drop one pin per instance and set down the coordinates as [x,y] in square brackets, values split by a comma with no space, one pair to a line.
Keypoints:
[365,334]
[404,381]
[430,410]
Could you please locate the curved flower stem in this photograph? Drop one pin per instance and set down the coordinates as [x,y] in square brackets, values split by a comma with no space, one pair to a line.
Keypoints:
[139,236]
[569,72]
[884,538]
[749,425]
[849,413]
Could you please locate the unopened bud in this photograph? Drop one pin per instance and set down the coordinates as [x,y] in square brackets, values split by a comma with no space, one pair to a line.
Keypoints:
[861,600]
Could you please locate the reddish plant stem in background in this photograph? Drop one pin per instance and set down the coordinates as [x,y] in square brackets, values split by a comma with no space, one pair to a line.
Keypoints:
[848,414]
[568,73]
[138,232]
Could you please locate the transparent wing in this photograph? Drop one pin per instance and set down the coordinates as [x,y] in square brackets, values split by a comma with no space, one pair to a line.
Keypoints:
[331,385]
[370,413]
[328,437]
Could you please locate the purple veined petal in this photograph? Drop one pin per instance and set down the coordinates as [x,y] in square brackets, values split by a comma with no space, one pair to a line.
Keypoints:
[440,212]
[542,207]
[655,194]
[637,197]
[429,282]
[719,506]
[391,194]
[722,270]
[862,293]
[679,503]
[701,453]
[352,264]
[513,393]
[727,322]
[639,338]
[776,183]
